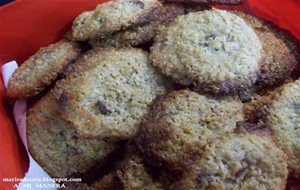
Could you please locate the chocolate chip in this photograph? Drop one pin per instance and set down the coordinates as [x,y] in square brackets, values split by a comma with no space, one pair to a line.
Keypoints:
[198,179]
[139,4]
[100,106]
[245,95]
[63,100]
[213,36]
[242,125]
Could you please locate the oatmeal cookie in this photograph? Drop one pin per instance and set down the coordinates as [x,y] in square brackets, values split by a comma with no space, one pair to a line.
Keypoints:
[114,16]
[109,92]
[180,125]
[41,69]
[213,50]
[140,34]
[235,162]
[53,145]
[283,119]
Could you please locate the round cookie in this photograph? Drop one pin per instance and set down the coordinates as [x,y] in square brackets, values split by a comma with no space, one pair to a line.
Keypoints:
[280,54]
[213,50]
[53,145]
[283,119]
[109,92]
[41,69]
[238,162]
[180,125]
[143,33]
[114,16]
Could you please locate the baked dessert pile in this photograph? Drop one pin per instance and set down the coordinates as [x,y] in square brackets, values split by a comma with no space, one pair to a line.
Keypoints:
[148,94]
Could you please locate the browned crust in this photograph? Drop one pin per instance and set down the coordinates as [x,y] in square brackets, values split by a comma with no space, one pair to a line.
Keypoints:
[226,87]
[145,138]
[284,52]
[207,1]
[37,73]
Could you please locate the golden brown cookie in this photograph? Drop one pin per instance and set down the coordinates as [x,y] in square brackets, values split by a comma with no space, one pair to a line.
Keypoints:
[41,69]
[283,119]
[234,162]
[213,50]
[114,16]
[180,125]
[53,145]
[109,92]
[139,34]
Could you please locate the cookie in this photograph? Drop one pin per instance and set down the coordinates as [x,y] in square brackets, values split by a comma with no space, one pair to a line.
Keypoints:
[180,124]
[114,16]
[238,162]
[207,1]
[213,50]
[109,92]
[41,69]
[280,54]
[130,173]
[283,119]
[140,34]
[53,145]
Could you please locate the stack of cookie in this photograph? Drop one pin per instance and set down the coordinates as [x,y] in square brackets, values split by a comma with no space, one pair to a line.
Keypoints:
[148,94]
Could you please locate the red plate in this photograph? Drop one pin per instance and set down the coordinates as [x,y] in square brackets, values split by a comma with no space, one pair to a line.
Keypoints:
[26,25]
